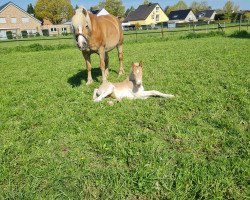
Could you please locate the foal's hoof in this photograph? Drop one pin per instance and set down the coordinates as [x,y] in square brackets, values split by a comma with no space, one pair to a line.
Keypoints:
[89,82]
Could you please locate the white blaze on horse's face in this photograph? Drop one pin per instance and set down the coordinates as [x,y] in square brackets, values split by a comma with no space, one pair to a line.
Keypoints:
[81,40]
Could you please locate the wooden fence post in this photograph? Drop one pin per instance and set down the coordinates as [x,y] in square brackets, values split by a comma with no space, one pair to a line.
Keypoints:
[162,30]
[240,22]
[193,27]
[136,34]
[248,23]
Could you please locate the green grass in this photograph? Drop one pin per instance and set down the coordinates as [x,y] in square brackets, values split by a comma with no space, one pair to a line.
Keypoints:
[55,143]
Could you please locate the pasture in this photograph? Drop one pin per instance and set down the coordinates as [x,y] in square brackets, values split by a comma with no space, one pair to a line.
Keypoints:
[55,143]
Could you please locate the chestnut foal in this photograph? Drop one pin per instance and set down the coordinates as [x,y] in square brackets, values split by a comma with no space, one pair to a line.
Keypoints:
[130,88]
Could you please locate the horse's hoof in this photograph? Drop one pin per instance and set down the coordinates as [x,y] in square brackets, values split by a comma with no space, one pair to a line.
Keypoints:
[120,73]
[89,82]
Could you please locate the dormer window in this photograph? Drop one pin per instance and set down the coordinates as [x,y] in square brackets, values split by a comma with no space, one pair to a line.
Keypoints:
[157,9]
[202,15]
[175,16]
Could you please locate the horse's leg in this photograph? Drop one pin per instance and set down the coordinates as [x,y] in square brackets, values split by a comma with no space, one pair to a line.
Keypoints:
[106,64]
[88,67]
[120,56]
[102,63]
[146,94]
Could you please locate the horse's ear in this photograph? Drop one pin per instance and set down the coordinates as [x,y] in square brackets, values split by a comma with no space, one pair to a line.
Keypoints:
[84,11]
[140,63]
[132,64]
[74,12]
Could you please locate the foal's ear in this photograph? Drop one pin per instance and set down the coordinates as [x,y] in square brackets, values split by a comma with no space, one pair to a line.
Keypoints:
[132,64]
[140,64]
[84,11]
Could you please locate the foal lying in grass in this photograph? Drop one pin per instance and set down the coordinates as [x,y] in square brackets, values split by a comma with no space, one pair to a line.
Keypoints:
[130,88]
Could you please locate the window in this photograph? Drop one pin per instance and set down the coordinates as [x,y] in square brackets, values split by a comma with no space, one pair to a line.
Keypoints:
[152,16]
[13,20]
[64,29]
[53,29]
[157,18]
[157,9]
[175,16]
[202,15]
[2,20]
[25,19]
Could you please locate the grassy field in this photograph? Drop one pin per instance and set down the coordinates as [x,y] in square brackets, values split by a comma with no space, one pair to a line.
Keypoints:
[55,143]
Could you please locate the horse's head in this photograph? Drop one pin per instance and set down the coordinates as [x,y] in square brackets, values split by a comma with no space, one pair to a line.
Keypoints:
[82,27]
[136,73]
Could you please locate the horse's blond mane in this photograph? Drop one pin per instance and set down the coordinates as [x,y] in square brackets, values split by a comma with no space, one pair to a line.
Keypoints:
[79,18]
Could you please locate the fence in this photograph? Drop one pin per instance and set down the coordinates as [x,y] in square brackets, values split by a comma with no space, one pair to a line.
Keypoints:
[162,30]
[191,27]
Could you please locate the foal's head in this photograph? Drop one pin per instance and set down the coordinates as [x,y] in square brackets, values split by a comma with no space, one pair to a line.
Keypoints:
[82,27]
[136,73]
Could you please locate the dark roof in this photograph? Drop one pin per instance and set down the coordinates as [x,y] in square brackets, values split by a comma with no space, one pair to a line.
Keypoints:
[95,12]
[4,5]
[141,13]
[179,14]
[205,13]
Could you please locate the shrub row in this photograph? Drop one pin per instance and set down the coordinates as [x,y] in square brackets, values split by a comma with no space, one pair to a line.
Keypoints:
[36,47]
[202,35]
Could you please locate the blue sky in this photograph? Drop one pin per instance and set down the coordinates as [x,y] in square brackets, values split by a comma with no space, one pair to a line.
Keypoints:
[244,4]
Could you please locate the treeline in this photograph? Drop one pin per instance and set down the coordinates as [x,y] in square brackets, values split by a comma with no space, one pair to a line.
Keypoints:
[59,10]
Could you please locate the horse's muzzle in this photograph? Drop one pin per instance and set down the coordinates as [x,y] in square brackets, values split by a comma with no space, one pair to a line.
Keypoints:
[82,42]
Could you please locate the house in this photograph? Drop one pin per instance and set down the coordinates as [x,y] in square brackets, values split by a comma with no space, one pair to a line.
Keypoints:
[182,16]
[206,15]
[56,29]
[15,19]
[99,12]
[149,14]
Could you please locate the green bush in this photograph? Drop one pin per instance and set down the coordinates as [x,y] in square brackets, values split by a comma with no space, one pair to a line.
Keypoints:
[37,34]
[45,32]
[24,34]
[241,34]
[9,35]
[202,35]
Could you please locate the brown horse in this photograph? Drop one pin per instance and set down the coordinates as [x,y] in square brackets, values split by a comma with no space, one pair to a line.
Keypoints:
[97,34]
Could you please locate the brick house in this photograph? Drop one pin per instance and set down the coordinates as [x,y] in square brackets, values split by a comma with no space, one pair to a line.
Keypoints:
[56,29]
[15,19]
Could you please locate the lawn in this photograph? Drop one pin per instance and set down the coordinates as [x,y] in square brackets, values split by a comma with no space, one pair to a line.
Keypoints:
[55,143]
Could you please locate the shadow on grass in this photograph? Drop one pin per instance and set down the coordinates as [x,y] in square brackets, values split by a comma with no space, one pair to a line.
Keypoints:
[76,80]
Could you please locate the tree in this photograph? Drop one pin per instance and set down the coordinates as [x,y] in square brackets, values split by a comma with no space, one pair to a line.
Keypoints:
[146,2]
[114,7]
[30,9]
[229,8]
[54,10]
[199,6]
[129,10]
[180,5]
[76,7]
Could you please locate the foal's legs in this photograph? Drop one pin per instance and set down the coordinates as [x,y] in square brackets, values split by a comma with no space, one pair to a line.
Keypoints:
[107,92]
[120,56]
[88,66]
[146,94]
